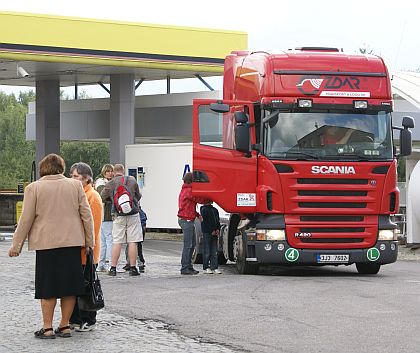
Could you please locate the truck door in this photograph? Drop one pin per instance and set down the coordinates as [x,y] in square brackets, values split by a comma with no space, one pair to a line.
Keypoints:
[222,172]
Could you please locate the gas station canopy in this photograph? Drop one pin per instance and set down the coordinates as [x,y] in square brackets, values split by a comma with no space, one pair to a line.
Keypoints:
[78,51]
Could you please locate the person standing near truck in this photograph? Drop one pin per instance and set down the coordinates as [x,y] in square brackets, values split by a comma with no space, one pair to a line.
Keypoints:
[210,227]
[187,214]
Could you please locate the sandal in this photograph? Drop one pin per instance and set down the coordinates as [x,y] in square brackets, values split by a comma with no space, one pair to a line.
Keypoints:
[41,333]
[59,332]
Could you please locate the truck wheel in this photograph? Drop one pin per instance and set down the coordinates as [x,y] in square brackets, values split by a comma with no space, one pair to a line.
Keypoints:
[243,267]
[368,269]
[197,255]
[221,259]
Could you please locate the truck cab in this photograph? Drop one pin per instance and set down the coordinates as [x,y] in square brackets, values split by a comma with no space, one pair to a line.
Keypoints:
[300,151]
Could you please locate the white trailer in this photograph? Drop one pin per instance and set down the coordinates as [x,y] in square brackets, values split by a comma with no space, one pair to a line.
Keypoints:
[159,169]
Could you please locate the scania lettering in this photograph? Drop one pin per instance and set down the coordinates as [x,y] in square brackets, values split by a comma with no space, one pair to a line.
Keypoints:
[332,170]
[300,152]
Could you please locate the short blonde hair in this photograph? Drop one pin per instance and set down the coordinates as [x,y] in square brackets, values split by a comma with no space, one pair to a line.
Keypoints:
[119,168]
[52,164]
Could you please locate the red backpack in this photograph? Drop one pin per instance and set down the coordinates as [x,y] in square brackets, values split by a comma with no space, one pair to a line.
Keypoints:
[123,201]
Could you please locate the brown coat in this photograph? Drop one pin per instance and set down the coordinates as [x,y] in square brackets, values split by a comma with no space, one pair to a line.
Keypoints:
[55,214]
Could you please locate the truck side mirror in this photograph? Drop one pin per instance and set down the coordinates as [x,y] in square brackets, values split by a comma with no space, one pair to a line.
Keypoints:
[242,138]
[408,122]
[219,107]
[405,142]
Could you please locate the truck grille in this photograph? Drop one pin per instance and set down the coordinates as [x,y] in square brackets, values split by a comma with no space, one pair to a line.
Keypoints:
[331,213]
[316,218]
[331,181]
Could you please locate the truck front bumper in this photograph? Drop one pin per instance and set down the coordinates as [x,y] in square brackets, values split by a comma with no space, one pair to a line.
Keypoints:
[279,252]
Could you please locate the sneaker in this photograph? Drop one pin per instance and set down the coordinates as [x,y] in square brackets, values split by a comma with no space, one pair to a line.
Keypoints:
[85,327]
[208,271]
[101,269]
[112,271]
[189,272]
[133,272]
[126,267]
[141,268]
[217,271]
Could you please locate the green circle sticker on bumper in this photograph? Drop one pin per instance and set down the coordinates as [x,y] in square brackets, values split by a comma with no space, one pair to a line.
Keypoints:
[291,255]
[373,254]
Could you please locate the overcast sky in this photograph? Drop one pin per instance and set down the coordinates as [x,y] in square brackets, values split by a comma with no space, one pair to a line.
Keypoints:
[390,28]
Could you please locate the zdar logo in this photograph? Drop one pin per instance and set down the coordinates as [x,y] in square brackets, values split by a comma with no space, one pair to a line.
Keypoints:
[310,85]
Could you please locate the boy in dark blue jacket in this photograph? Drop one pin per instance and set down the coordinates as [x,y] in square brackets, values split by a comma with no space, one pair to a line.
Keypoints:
[210,227]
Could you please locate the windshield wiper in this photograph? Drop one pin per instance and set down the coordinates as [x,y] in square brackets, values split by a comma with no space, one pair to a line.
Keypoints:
[306,154]
[352,155]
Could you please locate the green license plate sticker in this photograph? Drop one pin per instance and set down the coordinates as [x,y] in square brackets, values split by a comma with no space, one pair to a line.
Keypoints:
[291,255]
[373,254]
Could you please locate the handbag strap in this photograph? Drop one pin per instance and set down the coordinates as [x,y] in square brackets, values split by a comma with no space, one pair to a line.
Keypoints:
[90,270]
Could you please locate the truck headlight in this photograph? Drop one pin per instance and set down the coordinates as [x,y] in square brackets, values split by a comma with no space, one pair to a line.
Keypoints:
[271,234]
[388,234]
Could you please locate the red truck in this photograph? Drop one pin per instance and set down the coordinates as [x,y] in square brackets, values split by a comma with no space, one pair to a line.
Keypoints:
[300,152]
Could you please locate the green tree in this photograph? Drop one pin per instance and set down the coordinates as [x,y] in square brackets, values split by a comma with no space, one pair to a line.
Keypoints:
[16,154]
[96,154]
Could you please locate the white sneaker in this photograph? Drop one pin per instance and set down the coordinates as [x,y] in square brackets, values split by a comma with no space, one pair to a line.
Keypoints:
[85,328]
[208,271]
[217,271]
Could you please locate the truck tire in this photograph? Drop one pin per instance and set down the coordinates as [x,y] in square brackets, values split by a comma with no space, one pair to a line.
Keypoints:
[197,255]
[243,267]
[221,259]
[367,269]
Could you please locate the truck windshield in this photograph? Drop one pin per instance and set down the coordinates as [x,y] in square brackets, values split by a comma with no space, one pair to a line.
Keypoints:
[328,136]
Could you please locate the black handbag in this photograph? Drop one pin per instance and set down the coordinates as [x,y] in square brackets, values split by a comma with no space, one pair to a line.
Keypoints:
[93,299]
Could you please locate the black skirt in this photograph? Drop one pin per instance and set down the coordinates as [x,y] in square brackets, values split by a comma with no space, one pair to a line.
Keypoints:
[58,273]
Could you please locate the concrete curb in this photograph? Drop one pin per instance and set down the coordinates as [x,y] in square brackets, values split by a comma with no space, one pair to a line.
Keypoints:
[164,236]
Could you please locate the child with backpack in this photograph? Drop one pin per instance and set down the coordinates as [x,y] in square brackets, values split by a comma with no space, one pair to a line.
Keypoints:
[210,227]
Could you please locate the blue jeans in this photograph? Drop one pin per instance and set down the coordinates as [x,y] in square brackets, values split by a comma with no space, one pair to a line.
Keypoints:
[106,243]
[189,243]
[210,251]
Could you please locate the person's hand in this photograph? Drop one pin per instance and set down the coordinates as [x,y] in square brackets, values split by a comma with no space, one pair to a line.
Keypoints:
[13,253]
[200,217]
[88,250]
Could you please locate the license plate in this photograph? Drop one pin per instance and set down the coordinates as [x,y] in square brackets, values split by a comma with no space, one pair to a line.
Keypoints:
[321,258]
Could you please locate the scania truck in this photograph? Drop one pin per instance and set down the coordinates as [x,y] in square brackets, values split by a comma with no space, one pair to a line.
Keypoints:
[300,152]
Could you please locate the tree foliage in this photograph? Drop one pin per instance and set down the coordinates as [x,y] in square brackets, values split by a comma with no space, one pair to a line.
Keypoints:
[96,154]
[17,154]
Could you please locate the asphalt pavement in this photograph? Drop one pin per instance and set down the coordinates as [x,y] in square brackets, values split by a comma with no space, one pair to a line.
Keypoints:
[298,310]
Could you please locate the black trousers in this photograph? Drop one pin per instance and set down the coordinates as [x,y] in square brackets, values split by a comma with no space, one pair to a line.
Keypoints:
[79,317]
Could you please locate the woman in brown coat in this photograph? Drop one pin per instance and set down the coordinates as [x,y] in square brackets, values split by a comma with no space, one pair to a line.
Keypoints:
[57,221]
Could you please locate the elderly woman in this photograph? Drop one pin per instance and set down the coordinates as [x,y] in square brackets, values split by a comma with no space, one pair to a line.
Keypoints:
[81,320]
[57,222]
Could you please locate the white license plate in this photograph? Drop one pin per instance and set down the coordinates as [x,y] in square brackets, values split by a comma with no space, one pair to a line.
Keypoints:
[321,258]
